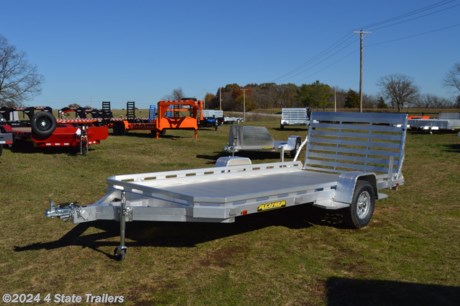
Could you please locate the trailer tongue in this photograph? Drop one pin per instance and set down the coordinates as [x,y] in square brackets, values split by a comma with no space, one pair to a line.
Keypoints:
[349,158]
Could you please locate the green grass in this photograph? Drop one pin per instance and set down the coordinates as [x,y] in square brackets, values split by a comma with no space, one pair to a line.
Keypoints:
[301,256]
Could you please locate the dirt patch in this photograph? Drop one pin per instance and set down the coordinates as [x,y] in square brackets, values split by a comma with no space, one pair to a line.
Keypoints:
[222,257]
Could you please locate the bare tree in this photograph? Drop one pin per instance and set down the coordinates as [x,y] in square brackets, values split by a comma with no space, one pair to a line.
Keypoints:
[399,89]
[453,78]
[19,80]
[432,101]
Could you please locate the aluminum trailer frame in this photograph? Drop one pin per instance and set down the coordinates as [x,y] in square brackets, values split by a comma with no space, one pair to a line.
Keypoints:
[349,158]
[446,121]
[294,116]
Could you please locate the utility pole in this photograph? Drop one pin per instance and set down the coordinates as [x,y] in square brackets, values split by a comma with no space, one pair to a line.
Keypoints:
[335,100]
[361,39]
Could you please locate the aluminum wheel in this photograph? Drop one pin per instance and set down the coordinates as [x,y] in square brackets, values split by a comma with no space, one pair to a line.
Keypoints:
[363,205]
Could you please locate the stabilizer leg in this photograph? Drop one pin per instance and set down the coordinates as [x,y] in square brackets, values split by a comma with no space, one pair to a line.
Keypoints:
[120,251]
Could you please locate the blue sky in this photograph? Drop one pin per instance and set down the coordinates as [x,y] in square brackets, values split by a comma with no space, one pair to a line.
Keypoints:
[139,50]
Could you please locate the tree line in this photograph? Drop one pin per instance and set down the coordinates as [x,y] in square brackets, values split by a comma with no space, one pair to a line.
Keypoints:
[398,92]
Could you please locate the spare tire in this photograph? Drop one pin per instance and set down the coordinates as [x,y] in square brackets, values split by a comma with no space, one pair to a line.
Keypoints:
[43,124]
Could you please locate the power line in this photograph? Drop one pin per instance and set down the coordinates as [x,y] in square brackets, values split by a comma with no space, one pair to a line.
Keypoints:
[339,46]
[375,25]
[413,35]
[314,64]
[414,18]
[311,61]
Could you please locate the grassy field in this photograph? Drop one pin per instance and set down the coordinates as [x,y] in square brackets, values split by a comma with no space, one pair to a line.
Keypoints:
[409,254]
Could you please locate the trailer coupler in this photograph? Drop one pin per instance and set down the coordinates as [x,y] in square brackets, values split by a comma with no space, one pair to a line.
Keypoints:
[61,211]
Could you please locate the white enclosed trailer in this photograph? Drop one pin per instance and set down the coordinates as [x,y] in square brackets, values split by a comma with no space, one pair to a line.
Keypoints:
[349,158]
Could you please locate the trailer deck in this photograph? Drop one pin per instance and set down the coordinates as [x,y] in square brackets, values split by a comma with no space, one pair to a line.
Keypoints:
[349,158]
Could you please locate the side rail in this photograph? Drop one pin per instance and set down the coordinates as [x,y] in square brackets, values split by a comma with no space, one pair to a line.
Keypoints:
[168,178]
[364,142]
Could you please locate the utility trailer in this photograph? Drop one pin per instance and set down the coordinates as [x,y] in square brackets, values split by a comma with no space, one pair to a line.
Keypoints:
[258,139]
[349,158]
[6,137]
[233,120]
[212,118]
[445,121]
[43,130]
[295,116]
[180,114]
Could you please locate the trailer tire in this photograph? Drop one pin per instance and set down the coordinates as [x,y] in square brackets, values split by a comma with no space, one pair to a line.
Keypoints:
[43,124]
[119,128]
[119,254]
[360,212]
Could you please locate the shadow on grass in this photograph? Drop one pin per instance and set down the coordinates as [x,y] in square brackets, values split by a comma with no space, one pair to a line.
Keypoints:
[344,291]
[254,156]
[28,148]
[176,234]
[293,129]
[151,136]
[454,148]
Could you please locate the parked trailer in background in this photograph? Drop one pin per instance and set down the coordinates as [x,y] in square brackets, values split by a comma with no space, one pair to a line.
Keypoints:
[350,158]
[212,118]
[6,137]
[181,114]
[43,130]
[258,139]
[445,121]
[294,116]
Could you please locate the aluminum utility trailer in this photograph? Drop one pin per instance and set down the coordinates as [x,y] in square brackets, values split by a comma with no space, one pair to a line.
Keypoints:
[349,158]
[294,116]
[445,121]
[257,138]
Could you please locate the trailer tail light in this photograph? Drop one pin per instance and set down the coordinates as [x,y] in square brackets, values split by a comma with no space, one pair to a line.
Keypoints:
[244,212]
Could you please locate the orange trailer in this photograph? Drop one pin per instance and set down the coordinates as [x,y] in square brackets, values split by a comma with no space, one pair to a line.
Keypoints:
[182,114]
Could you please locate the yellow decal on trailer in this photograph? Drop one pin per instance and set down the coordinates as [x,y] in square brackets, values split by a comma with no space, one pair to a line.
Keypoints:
[271,205]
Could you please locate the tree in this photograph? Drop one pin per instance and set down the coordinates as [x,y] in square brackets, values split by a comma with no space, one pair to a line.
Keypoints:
[432,101]
[381,103]
[315,95]
[210,101]
[399,89]
[453,78]
[19,80]
[287,94]
[177,94]
[352,99]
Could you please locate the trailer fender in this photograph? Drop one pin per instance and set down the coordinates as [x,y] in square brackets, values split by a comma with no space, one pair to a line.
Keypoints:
[227,161]
[347,182]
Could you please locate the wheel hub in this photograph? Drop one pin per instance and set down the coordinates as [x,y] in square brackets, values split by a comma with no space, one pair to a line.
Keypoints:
[364,204]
